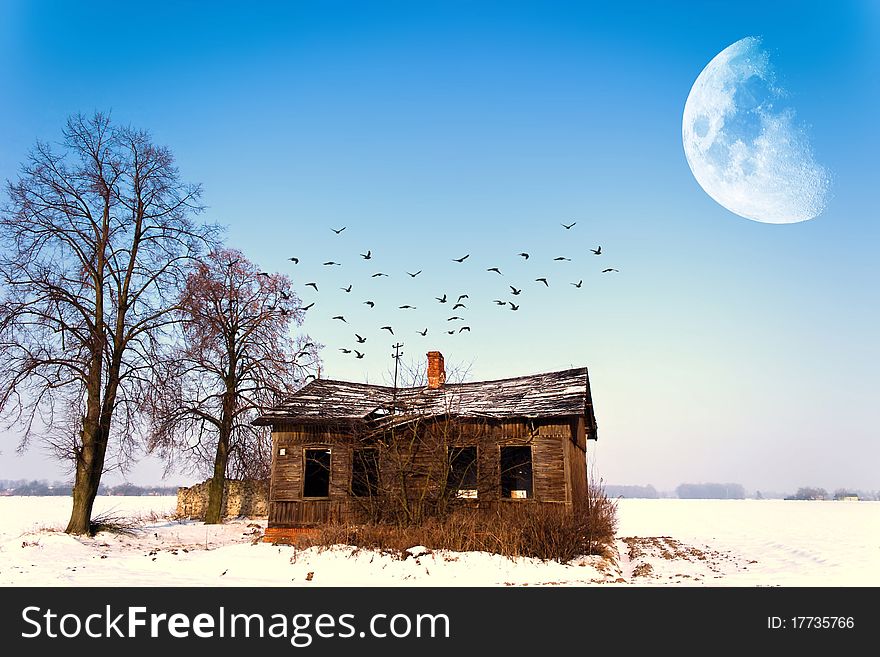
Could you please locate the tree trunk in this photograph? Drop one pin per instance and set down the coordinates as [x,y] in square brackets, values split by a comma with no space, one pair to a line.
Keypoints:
[214,513]
[90,459]
[89,467]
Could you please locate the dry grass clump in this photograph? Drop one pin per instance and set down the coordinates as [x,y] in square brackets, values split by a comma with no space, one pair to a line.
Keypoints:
[515,529]
[113,523]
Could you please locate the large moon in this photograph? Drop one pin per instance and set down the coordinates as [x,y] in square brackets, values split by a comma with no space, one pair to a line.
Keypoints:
[743,144]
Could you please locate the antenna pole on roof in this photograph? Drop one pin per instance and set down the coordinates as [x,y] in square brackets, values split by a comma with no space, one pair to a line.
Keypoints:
[396,356]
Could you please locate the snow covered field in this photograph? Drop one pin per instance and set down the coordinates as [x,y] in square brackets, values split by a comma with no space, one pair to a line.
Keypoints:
[664,542]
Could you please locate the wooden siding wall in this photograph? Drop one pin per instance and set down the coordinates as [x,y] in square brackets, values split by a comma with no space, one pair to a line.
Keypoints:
[576,460]
[287,470]
[558,464]
[312,513]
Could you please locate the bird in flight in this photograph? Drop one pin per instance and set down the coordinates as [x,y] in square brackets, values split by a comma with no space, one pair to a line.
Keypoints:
[524,255]
[330,262]
[387,328]
[346,289]
[459,305]
[367,255]
[542,280]
[441,299]
[423,333]
[307,307]
[513,306]
[452,332]
[462,258]
[378,273]
[597,251]
[358,354]
[454,317]
[604,271]
[562,258]
[338,230]
[360,339]
[416,274]
[307,345]
[294,260]
[495,269]
[514,291]
[464,328]
[568,226]
[370,303]
[263,273]
[406,306]
[314,285]
[500,302]
[579,283]
[340,317]
[344,350]
[463,296]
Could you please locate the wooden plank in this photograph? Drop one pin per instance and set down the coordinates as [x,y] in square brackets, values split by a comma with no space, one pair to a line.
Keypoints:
[566,457]
[577,459]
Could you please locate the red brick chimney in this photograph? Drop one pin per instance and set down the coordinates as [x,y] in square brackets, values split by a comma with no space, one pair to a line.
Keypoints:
[436,370]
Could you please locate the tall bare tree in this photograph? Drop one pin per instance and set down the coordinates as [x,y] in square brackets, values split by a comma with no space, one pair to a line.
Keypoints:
[96,237]
[236,359]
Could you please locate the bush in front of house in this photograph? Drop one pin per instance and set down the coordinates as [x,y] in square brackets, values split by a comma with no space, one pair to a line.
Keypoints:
[542,531]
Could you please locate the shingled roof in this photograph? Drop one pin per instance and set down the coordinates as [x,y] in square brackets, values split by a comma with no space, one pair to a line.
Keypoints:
[552,394]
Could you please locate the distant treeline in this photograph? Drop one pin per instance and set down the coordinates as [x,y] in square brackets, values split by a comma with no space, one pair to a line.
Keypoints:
[714,491]
[49,488]
[683,491]
[648,491]
[710,491]
[811,493]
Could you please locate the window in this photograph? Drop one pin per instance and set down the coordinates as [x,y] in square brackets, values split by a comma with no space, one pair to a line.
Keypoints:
[516,472]
[462,477]
[365,472]
[316,475]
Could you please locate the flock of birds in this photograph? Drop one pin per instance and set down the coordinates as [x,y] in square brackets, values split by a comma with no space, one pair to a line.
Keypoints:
[458,303]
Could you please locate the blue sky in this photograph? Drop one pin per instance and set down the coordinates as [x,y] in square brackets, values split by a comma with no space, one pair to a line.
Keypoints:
[723,350]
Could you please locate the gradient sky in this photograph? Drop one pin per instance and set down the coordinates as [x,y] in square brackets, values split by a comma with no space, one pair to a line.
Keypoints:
[723,350]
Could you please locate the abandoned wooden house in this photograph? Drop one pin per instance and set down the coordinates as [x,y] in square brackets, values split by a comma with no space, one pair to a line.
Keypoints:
[350,452]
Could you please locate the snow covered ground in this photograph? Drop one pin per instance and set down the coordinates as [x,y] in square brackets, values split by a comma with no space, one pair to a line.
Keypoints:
[662,542]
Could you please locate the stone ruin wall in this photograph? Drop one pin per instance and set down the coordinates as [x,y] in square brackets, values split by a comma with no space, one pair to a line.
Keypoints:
[241,497]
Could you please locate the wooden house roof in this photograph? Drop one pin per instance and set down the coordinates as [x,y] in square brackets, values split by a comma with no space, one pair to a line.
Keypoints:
[552,394]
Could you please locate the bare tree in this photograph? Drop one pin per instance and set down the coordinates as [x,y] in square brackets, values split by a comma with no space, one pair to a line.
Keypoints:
[96,235]
[236,359]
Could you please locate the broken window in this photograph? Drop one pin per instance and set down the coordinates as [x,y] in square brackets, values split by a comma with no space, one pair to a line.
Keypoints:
[516,472]
[365,472]
[462,478]
[316,473]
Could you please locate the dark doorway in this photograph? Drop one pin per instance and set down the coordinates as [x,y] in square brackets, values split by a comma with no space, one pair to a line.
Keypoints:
[316,476]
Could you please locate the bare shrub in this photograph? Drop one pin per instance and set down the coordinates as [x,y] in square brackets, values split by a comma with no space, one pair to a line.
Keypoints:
[112,523]
[515,530]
